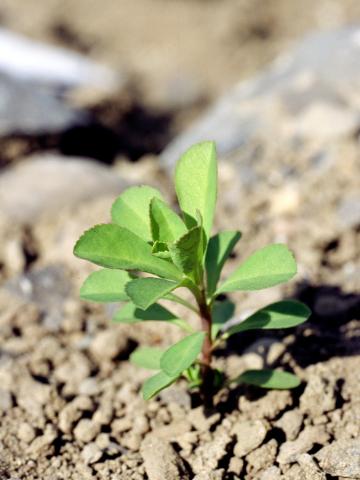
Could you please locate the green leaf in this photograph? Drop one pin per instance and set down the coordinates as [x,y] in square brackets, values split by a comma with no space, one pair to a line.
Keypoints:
[265,268]
[130,313]
[275,379]
[166,226]
[221,313]
[146,291]
[187,252]
[161,250]
[196,184]
[116,247]
[219,248]
[131,210]
[180,356]
[105,286]
[155,384]
[285,314]
[147,357]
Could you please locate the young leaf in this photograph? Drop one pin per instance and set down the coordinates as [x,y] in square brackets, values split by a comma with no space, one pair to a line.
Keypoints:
[155,384]
[146,291]
[166,226]
[116,247]
[180,356]
[219,248]
[131,210]
[275,379]
[265,268]
[187,252]
[130,313]
[105,286]
[196,184]
[285,314]
[161,250]
[221,313]
[147,357]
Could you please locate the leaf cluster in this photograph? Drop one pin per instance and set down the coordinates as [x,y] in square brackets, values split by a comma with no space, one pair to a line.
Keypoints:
[148,251]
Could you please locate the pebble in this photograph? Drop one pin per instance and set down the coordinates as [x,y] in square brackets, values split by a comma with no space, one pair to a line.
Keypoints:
[309,468]
[250,435]
[271,473]
[310,436]
[208,455]
[86,430]
[202,421]
[108,344]
[319,396]
[25,432]
[41,445]
[291,423]
[73,411]
[341,458]
[91,453]
[262,457]
[161,460]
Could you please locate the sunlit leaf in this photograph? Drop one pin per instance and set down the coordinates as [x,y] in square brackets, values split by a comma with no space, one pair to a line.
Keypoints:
[155,384]
[147,357]
[285,314]
[166,226]
[146,291]
[131,210]
[196,184]
[105,286]
[112,246]
[180,356]
[187,252]
[265,268]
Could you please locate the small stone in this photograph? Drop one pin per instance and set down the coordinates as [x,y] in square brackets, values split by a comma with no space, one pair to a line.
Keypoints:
[202,421]
[43,443]
[91,453]
[86,430]
[176,395]
[341,458]
[89,387]
[310,470]
[208,455]
[102,440]
[214,475]
[310,436]
[108,344]
[236,465]
[262,457]
[161,460]
[269,406]
[318,397]
[250,435]
[271,473]
[26,433]
[72,412]
[5,400]
[290,423]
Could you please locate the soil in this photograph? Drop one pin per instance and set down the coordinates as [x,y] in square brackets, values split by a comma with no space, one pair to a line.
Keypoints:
[70,402]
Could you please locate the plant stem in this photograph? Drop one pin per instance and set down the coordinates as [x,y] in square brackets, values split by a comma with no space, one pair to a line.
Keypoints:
[206,370]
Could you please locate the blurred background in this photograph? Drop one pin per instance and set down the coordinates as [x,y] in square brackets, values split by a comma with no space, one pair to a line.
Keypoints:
[96,96]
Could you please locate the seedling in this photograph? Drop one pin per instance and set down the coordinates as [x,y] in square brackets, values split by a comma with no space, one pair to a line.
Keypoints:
[147,236]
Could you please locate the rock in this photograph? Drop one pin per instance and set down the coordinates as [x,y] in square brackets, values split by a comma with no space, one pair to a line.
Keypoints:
[308,93]
[269,406]
[22,196]
[89,386]
[271,473]
[348,212]
[214,475]
[236,465]
[42,444]
[26,433]
[161,460]
[91,453]
[208,455]
[311,435]
[310,470]
[73,411]
[108,344]
[6,401]
[34,62]
[262,457]
[86,430]
[341,458]
[250,435]
[319,396]
[290,423]
[202,421]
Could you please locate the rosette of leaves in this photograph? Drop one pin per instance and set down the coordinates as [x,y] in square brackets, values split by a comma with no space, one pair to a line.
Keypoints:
[146,236]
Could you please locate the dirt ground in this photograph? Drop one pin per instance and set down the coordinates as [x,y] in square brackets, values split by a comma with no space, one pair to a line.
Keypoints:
[70,403]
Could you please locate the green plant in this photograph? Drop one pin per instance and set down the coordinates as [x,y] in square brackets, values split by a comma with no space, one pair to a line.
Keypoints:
[146,235]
